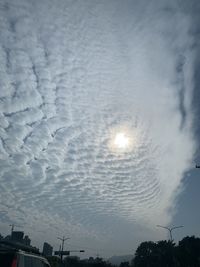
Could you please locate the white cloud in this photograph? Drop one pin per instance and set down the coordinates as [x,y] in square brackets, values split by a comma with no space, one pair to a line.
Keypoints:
[70,78]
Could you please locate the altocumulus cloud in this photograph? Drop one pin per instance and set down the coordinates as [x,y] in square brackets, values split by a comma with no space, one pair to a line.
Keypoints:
[72,73]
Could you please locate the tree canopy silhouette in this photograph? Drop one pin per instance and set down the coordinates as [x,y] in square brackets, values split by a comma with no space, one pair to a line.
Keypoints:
[167,254]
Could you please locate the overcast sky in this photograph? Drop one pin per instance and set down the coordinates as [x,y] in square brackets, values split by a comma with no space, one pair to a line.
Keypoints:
[73,75]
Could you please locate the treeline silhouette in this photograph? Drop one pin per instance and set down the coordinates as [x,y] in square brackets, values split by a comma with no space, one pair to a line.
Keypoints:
[76,262]
[148,254]
[167,254]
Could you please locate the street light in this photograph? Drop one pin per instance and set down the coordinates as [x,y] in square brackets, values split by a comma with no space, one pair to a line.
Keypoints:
[62,247]
[170,229]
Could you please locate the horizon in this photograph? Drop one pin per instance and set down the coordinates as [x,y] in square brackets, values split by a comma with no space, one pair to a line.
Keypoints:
[114,259]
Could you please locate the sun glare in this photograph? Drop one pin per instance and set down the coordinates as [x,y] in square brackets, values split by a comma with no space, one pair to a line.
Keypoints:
[121,141]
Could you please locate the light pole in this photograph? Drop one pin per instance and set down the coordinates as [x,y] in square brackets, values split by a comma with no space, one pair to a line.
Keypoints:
[62,247]
[170,229]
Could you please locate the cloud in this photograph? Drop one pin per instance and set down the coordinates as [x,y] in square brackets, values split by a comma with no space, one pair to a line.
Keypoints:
[69,81]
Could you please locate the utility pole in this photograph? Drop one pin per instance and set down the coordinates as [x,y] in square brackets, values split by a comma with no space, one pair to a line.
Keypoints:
[170,229]
[63,239]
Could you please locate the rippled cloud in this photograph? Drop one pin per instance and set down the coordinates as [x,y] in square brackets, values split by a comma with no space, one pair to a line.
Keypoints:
[72,75]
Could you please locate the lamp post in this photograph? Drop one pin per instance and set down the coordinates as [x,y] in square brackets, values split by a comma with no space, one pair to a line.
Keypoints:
[170,229]
[63,239]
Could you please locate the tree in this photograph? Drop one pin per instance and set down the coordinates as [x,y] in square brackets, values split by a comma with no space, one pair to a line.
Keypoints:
[150,254]
[71,261]
[167,254]
[124,264]
[165,251]
[188,252]
[145,255]
[54,261]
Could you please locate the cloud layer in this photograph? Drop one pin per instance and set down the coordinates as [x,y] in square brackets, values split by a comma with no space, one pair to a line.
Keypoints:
[72,74]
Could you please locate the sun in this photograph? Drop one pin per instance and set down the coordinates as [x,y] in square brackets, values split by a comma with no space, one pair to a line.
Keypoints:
[121,141]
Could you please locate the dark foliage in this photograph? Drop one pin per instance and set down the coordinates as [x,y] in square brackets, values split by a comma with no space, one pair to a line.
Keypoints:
[54,261]
[167,254]
[76,262]
[188,252]
[124,264]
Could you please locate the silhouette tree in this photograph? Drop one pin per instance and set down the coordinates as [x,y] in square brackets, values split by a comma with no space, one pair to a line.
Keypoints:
[54,261]
[145,255]
[188,252]
[124,264]
[91,262]
[71,262]
[166,255]
[150,254]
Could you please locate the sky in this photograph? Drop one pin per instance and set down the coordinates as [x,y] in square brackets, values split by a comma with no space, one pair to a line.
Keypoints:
[99,121]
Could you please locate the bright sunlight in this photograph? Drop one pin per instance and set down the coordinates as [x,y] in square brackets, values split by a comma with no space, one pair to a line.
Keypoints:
[121,141]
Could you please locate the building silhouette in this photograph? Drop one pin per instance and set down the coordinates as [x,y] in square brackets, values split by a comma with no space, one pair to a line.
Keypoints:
[18,237]
[47,249]
[27,240]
